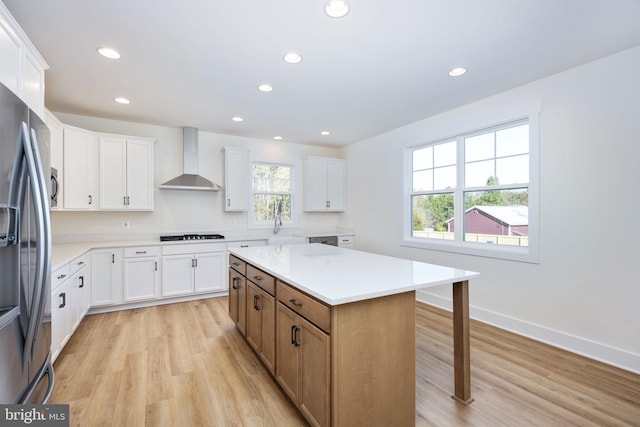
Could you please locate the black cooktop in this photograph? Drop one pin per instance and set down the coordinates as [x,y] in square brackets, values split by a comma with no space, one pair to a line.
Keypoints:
[191,237]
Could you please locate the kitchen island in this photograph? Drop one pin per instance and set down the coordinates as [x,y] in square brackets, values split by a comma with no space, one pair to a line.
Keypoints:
[336,328]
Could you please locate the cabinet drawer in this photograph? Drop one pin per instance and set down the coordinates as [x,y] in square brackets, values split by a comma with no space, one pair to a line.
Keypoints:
[141,251]
[237,264]
[262,279]
[345,240]
[77,264]
[59,275]
[316,312]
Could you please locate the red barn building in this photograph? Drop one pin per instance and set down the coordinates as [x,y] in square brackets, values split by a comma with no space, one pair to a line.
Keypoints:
[499,220]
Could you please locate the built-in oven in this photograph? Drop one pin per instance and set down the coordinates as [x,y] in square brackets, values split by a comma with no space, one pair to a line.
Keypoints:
[54,187]
[325,240]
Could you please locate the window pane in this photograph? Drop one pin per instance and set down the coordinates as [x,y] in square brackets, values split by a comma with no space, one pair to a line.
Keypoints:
[513,170]
[512,141]
[423,158]
[444,178]
[431,215]
[271,178]
[444,154]
[478,174]
[479,147]
[264,207]
[423,180]
[499,217]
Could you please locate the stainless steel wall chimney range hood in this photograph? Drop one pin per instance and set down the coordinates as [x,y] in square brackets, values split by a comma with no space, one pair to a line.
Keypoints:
[190,180]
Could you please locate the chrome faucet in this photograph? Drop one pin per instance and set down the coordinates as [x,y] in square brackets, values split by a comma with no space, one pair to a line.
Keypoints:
[278,218]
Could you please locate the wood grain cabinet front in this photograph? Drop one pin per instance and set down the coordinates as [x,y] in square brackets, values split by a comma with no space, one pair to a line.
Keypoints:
[261,324]
[303,367]
[238,300]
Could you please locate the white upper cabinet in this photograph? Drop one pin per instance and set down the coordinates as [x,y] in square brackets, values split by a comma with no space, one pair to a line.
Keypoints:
[236,179]
[80,169]
[21,66]
[324,184]
[126,173]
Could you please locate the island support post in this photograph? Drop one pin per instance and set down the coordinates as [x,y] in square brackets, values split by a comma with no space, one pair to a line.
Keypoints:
[461,343]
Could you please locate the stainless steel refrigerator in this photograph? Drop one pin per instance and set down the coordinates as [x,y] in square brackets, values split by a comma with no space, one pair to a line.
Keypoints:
[26,372]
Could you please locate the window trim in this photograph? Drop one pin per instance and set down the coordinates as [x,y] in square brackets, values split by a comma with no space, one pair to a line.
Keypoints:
[458,245]
[293,222]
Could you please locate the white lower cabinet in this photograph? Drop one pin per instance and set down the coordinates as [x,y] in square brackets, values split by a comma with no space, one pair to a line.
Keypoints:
[106,277]
[60,319]
[141,270]
[193,268]
[70,300]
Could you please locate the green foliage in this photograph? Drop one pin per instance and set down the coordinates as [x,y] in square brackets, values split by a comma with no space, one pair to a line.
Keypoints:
[436,209]
[418,221]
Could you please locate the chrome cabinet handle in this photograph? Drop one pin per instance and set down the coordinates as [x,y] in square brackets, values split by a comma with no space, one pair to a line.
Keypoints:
[63,296]
[81,282]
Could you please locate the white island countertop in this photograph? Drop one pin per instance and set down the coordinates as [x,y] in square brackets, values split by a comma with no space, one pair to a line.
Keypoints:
[339,275]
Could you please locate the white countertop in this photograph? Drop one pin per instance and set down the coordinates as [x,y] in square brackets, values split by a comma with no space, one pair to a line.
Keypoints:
[339,275]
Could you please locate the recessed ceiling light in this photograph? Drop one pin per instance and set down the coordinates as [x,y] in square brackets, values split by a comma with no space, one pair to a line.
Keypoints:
[277,138]
[336,8]
[265,87]
[237,119]
[292,58]
[458,71]
[325,133]
[121,100]
[107,52]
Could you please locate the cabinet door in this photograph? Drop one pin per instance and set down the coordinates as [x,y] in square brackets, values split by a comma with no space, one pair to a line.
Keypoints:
[209,272]
[10,64]
[80,165]
[335,184]
[77,297]
[60,318]
[139,173]
[237,178]
[287,351]
[106,277]
[177,274]
[113,173]
[314,366]
[242,305]
[141,278]
[254,317]
[236,282]
[267,353]
[315,185]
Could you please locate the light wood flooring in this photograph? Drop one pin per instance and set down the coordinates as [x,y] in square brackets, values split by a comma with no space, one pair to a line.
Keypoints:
[186,365]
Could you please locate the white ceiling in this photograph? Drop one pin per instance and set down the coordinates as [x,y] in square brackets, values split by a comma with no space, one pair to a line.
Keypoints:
[198,62]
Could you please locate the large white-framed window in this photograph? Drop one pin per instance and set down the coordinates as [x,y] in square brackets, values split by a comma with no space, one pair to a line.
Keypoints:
[476,192]
[272,194]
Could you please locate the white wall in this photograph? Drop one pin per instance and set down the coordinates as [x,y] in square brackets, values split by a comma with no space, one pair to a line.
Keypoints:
[583,294]
[186,211]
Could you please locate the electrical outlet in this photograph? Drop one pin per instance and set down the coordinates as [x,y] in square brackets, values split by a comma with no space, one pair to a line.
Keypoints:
[127,224]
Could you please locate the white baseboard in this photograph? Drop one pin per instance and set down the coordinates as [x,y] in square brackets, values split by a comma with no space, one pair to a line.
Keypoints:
[593,350]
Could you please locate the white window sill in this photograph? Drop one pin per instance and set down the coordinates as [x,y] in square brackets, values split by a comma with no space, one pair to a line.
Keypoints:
[527,254]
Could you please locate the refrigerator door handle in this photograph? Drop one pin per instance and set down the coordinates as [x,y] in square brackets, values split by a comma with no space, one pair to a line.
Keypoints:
[44,241]
[39,222]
